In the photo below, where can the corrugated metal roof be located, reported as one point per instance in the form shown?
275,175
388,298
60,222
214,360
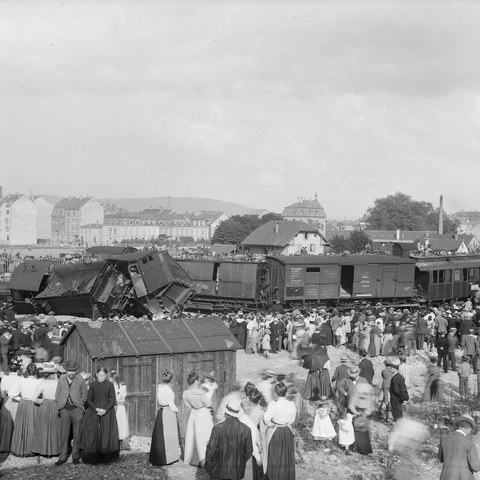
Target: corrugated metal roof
137,338
268,234
340,259
29,275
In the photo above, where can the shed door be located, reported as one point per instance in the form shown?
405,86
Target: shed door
389,280
140,374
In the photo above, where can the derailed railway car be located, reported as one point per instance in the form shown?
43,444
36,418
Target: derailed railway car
444,278
317,279
228,283
139,283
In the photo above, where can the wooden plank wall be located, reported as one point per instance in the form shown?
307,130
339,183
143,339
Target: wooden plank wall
142,375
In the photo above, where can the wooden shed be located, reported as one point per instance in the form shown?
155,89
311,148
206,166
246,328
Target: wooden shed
141,350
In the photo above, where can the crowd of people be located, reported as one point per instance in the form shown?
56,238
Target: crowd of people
249,432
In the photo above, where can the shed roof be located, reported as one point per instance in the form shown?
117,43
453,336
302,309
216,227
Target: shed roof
137,338
340,259
446,244
29,275
268,234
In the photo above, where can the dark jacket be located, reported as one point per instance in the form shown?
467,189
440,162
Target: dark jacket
442,345
229,448
459,457
340,372
77,392
366,370
422,326
398,389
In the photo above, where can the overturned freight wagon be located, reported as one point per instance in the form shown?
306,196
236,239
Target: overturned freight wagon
304,279
138,283
141,350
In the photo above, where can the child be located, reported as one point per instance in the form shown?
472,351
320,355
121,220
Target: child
346,435
266,343
322,425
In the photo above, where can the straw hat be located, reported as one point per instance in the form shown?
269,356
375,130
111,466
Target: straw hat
465,418
233,408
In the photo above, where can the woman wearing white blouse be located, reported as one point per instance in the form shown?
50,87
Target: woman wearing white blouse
165,446
279,452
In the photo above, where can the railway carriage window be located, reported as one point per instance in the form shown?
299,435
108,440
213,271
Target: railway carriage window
471,273
449,276
478,273
457,275
441,276
435,276
465,272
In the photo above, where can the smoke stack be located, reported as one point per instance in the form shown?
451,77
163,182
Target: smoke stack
440,216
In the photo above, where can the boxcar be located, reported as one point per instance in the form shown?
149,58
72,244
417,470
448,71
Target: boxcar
447,278
229,282
323,278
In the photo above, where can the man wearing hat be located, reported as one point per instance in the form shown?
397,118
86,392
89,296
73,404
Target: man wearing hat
346,386
341,371
70,396
230,446
470,348
398,390
452,344
458,452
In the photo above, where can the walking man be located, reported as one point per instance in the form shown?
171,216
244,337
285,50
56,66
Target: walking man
398,391
452,343
229,447
458,452
70,396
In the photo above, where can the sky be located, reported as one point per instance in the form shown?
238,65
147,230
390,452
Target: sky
254,102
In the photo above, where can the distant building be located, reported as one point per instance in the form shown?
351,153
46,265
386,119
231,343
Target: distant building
285,237
307,211
44,218
91,234
70,213
18,220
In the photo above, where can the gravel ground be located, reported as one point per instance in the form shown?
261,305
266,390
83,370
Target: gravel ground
312,463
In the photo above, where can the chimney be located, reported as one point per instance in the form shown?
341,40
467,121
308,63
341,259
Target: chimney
440,216
276,227
397,235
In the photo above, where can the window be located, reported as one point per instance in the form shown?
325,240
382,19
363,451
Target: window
435,276
449,276
471,273
465,274
478,273
312,247
441,276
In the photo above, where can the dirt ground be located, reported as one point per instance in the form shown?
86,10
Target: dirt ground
312,463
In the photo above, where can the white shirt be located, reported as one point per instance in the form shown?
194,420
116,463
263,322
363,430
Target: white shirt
165,396
11,384
280,412
29,388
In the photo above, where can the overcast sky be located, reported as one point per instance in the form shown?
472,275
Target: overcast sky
255,102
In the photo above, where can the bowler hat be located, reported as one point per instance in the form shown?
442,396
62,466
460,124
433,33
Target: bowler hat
465,418
71,366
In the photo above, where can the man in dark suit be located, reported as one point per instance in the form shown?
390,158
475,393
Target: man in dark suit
442,349
230,446
458,452
366,367
452,344
422,329
398,391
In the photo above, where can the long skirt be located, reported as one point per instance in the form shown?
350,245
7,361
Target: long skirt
280,454
122,422
22,439
7,415
387,348
317,385
165,446
362,442
374,346
99,437
197,435
47,430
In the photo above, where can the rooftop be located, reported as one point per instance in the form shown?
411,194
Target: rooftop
72,203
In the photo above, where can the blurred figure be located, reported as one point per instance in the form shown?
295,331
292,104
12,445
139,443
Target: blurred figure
433,387
405,441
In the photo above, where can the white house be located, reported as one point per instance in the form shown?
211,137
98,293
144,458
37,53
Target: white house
18,220
44,218
285,237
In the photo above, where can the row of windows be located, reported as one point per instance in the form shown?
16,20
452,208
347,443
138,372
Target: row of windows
458,275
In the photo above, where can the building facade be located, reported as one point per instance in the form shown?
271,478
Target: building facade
44,218
18,220
70,214
307,211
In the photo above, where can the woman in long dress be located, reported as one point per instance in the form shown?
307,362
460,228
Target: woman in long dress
10,388
47,428
99,430
364,338
165,446
23,432
279,451
200,423
318,382
375,341
120,409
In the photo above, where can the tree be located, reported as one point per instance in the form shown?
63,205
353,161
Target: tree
399,211
233,230
356,242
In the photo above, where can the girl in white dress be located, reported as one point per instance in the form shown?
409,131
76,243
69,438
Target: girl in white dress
322,425
346,435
